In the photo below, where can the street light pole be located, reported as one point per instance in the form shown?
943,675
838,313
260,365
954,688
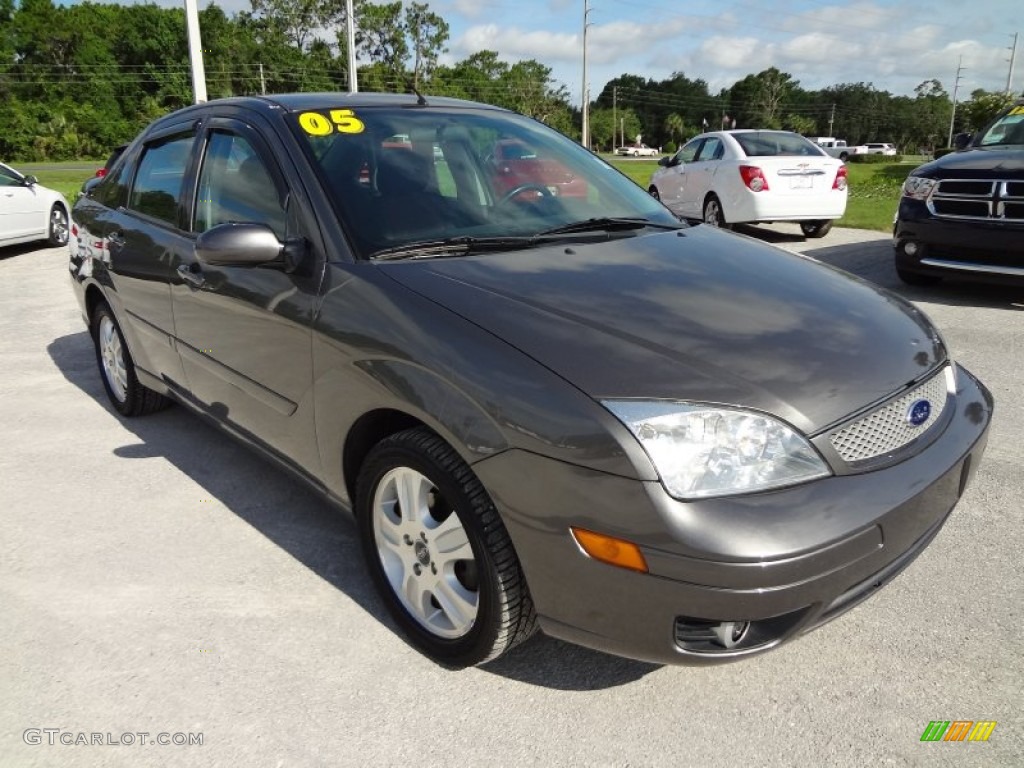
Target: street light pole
956,90
584,92
350,32
195,51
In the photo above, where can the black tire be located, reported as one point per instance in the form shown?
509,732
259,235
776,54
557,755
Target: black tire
916,278
843,156
713,213
58,233
654,193
129,397
504,610
818,228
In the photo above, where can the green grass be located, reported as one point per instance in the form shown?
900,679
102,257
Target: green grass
874,189
66,182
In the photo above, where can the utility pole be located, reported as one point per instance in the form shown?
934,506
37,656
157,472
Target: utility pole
350,34
585,94
831,119
615,94
1013,55
263,83
195,51
622,126
956,90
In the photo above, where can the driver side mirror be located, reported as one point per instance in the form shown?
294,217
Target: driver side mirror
667,162
962,140
238,245
31,181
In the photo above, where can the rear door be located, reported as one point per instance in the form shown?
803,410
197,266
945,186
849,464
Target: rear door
245,333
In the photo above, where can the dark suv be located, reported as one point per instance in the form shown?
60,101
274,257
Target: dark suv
963,214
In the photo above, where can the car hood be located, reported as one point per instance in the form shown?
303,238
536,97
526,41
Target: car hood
696,315
974,162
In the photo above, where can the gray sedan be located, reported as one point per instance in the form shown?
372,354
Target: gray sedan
576,414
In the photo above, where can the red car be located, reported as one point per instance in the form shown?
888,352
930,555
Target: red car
515,165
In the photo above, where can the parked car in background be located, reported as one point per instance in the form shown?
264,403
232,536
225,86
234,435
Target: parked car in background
30,211
101,172
572,413
963,214
514,165
638,150
750,176
838,148
878,148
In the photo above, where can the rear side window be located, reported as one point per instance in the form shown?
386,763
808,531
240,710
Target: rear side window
112,191
157,187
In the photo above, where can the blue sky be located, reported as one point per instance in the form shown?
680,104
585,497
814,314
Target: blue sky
894,44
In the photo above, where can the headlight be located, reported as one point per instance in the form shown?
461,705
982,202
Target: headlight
918,187
704,450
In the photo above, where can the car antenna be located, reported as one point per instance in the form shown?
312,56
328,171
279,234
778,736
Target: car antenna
420,101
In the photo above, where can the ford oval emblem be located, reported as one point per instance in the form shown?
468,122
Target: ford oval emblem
918,413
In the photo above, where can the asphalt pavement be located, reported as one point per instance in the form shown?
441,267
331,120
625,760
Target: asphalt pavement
156,578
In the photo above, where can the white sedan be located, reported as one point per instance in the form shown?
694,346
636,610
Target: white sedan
638,150
729,177
30,212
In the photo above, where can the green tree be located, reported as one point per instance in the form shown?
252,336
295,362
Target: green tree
428,36
982,108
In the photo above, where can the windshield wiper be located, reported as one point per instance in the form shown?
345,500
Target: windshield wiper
451,246
609,224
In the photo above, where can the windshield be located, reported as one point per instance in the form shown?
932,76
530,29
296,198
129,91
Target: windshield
458,173
1007,130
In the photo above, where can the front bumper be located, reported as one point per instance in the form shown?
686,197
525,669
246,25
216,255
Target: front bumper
990,251
785,561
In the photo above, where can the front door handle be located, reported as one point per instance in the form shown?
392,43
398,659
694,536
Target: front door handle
194,279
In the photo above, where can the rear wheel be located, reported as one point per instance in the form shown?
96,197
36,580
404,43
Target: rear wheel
439,553
127,395
58,234
713,213
818,228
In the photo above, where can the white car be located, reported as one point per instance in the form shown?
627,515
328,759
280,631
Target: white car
638,150
879,148
729,177
30,212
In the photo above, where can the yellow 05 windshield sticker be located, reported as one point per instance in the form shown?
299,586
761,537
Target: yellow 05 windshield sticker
1017,110
340,120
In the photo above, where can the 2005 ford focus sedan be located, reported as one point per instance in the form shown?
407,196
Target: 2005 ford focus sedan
572,413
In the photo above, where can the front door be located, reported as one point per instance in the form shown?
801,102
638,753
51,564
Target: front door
244,333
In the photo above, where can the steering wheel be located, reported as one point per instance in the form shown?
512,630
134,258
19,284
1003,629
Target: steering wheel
544,192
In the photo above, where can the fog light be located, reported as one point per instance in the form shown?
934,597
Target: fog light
910,248
701,634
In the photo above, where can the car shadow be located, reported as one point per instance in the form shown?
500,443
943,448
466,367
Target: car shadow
306,526
10,251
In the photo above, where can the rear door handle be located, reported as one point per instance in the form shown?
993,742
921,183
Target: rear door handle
194,279
116,239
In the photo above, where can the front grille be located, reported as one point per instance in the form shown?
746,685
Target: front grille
887,428
978,199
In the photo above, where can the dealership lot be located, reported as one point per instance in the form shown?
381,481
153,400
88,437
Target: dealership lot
156,577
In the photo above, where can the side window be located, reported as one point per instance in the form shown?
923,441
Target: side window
236,186
157,185
712,149
689,151
112,191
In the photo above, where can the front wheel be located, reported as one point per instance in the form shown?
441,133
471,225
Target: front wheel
818,228
127,395
654,193
439,553
58,233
